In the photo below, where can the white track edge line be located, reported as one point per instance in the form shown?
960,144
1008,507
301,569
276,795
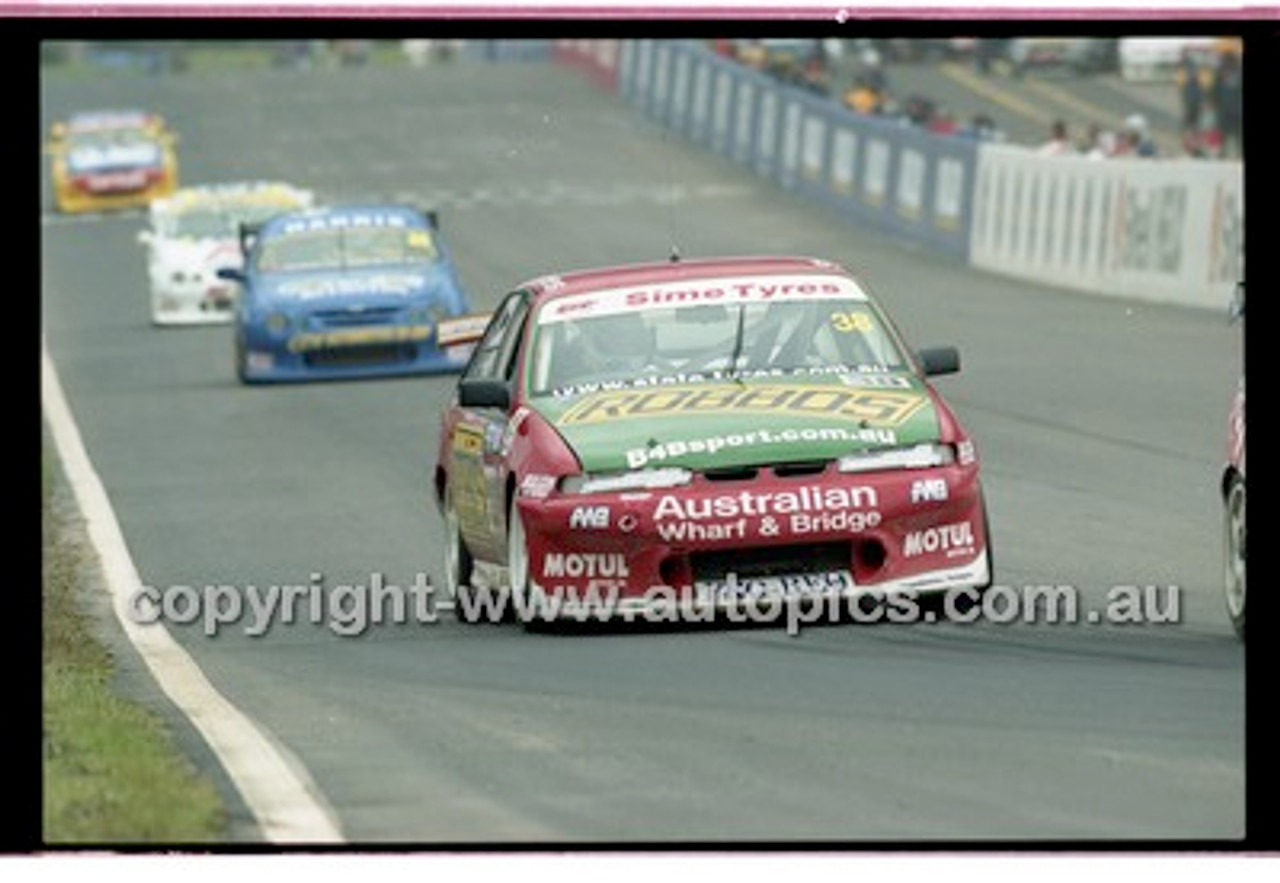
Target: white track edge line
286,805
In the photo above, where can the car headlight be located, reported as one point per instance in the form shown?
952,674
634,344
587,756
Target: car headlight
921,456
641,479
276,323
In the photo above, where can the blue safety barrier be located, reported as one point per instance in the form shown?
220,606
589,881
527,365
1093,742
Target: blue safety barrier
898,177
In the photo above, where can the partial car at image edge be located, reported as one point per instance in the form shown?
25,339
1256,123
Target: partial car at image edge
1233,498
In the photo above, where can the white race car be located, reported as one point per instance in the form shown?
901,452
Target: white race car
196,232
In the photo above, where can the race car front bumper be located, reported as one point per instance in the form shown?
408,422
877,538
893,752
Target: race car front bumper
794,537
74,197
372,351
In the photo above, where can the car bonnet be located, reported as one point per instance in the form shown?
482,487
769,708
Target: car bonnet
741,422
325,287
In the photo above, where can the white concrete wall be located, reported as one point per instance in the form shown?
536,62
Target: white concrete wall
1167,230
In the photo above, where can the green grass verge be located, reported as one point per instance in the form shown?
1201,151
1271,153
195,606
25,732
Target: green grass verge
112,773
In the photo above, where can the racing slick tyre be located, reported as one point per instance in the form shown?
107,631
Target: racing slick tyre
521,600
1234,543
459,566
517,558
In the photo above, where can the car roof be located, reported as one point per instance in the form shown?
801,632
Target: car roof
663,272
196,195
94,120
327,214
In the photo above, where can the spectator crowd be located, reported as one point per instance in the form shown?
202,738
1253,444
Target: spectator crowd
1209,88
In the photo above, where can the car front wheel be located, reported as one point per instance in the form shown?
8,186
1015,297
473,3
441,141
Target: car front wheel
521,601
1234,542
517,555
458,564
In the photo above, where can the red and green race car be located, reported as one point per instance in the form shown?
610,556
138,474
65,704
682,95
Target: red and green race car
705,435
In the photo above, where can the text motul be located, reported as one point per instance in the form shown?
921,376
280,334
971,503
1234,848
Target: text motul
585,564
942,538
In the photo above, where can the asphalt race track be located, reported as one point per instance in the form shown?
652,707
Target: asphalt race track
1101,424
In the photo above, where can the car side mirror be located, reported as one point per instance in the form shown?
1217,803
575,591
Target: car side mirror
248,235
484,393
462,330
939,360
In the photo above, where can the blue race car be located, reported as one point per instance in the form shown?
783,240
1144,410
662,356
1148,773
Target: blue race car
348,291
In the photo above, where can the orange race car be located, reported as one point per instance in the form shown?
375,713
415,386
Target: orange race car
112,159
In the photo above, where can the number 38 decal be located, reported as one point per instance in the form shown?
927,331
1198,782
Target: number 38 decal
849,323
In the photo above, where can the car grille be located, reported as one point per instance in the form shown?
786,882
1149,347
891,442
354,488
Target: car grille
346,317
114,182
356,356
771,560
779,470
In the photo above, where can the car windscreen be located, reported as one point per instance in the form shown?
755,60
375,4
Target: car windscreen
346,248
786,338
217,221
111,147
122,137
